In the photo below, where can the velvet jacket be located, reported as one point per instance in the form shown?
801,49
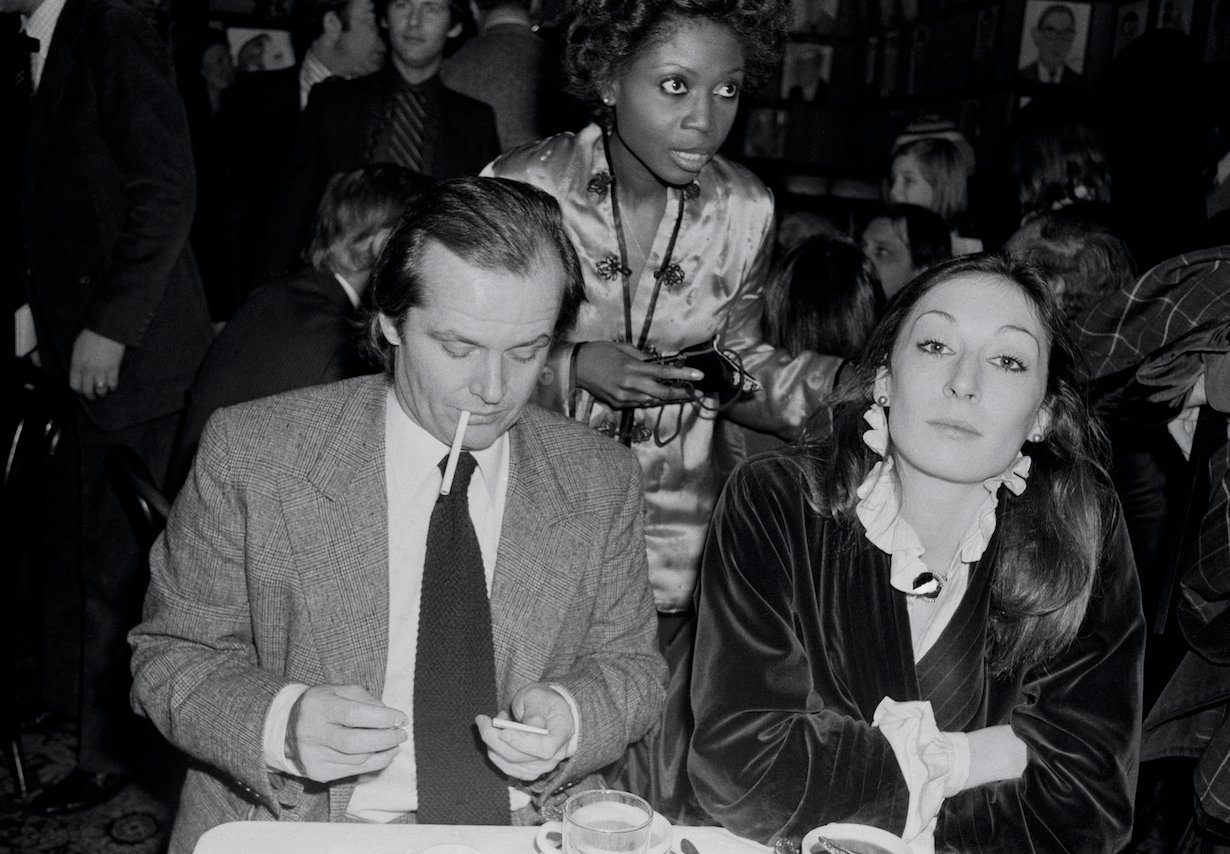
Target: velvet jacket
800,636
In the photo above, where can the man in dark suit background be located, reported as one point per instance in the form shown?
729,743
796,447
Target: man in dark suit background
333,622
261,111
1053,37
403,114
302,330
105,206
506,66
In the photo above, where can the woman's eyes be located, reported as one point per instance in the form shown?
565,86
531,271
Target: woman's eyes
1009,363
677,86
1003,361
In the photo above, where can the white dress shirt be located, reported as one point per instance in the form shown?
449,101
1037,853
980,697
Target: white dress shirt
311,72
42,26
412,483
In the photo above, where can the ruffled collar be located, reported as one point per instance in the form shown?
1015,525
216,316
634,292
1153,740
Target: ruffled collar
879,509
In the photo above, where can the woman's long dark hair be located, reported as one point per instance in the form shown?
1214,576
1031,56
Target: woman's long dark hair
1050,537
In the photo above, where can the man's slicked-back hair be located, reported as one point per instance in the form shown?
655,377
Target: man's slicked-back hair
493,223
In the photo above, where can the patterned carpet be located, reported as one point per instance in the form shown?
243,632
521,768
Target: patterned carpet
136,821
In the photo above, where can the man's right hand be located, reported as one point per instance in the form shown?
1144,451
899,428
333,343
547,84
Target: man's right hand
337,731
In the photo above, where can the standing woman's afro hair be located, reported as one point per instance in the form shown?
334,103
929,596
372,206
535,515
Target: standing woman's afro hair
605,35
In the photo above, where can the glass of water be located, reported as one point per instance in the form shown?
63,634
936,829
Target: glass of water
606,821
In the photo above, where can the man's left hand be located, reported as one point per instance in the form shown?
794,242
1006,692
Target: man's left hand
95,369
526,755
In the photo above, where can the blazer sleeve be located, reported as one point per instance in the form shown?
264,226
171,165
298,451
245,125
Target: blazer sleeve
1080,720
779,745
196,673
618,678
146,133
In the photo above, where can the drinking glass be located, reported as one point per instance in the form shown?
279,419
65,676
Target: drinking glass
606,821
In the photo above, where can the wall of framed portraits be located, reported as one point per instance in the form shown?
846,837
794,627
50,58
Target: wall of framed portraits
855,72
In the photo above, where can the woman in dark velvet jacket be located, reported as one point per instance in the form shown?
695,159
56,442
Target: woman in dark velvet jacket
929,621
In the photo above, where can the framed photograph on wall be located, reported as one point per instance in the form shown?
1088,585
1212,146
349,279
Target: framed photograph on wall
871,64
1217,41
986,31
1133,20
813,17
260,49
920,54
890,64
888,13
807,69
765,134
1053,41
1175,15
984,62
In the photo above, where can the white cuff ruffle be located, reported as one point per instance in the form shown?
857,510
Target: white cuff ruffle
935,764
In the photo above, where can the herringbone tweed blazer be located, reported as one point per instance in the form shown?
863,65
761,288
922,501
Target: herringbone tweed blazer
274,569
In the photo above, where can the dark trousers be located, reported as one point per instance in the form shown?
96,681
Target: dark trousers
92,538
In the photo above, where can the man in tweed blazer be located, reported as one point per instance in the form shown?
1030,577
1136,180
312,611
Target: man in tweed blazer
277,578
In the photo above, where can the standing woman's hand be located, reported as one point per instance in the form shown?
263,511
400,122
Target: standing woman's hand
619,376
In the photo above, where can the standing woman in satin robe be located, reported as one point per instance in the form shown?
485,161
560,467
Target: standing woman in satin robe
930,620
674,243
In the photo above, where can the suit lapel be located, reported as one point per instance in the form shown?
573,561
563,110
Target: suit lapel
52,84
524,623
338,525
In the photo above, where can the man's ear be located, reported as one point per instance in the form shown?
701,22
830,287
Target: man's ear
331,24
389,328
454,30
882,388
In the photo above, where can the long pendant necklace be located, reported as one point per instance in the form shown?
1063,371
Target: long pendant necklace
667,272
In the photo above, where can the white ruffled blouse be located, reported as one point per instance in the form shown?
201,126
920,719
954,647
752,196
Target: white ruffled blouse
879,509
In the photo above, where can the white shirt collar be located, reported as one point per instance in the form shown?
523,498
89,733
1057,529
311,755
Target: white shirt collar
424,451
1045,75
350,291
311,72
42,25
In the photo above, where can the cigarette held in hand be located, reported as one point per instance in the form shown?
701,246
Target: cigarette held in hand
505,723
451,467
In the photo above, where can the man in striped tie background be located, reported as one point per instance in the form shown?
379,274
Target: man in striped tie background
402,114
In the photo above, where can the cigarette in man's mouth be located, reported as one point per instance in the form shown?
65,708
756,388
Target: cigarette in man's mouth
451,467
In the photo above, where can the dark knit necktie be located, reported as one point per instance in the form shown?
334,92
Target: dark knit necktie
454,671
405,140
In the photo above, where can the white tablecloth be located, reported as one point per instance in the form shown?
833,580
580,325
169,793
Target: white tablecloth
266,837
